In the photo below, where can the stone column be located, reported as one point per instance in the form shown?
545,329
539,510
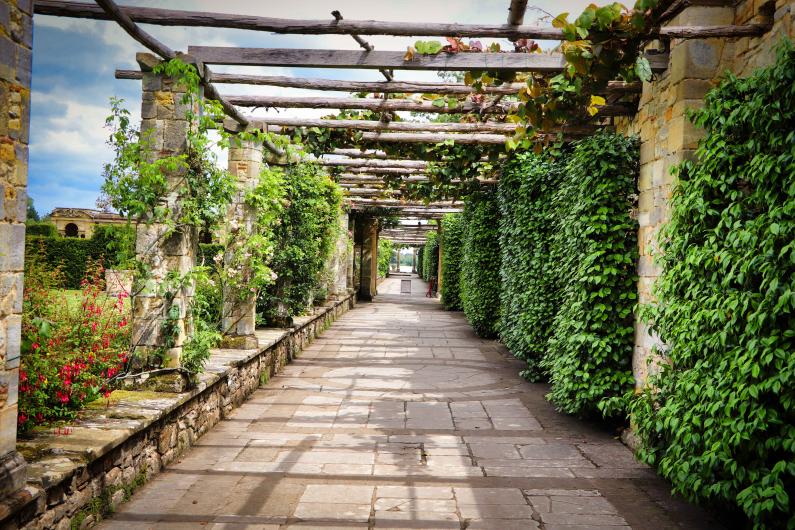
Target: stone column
369,260
414,260
240,308
337,264
163,251
668,138
15,64
350,270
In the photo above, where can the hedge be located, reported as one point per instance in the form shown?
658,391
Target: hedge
385,248
109,244
420,261
430,257
590,353
480,267
720,420
530,296
40,228
452,247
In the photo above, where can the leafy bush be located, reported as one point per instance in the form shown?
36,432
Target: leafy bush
590,354
430,257
41,228
718,419
530,296
118,242
385,248
303,240
420,260
72,346
452,244
480,268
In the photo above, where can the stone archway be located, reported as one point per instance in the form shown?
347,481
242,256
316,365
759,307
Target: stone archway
71,230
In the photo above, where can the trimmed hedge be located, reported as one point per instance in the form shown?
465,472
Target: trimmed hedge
430,257
480,267
452,245
590,353
530,296
719,419
385,248
73,255
420,260
40,228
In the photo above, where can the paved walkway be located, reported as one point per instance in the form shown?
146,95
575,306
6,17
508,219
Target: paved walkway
400,417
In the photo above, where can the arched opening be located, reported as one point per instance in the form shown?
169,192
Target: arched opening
70,230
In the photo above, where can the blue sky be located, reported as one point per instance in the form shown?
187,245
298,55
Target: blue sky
74,61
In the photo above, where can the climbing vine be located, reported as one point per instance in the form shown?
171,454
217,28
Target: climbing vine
430,257
452,243
717,419
530,295
590,353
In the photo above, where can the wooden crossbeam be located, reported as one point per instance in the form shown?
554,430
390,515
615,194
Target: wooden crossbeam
173,17
516,12
368,178
405,204
384,170
393,126
379,87
393,60
495,139
375,163
391,105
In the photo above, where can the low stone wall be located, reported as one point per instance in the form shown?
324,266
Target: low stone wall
76,475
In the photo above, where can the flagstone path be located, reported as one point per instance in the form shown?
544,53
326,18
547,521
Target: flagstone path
400,417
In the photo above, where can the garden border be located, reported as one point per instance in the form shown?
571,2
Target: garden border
76,478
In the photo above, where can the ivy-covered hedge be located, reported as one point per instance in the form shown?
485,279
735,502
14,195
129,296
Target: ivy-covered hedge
304,239
420,261
590,353
480,267
41,228
385,248
719,419
452,247
430,257
110,244
530,296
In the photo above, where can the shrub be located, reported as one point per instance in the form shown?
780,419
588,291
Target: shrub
72,347
590,355
385,248
420,260
118,242
452,245
303,240
430,257
480,269
41,228
717,420
530,296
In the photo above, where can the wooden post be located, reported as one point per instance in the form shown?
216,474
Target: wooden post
240,308
15,65
162,249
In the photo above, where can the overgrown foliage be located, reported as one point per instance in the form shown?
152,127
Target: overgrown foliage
430,257
480,267
717,420
530,294
385,248
590,354
452,243
303,239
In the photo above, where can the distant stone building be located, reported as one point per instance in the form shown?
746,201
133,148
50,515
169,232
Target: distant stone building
80,222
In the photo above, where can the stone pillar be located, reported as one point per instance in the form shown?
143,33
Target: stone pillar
240,308
369,261
15,64
160,321
337,264
414,260
668,138
350,257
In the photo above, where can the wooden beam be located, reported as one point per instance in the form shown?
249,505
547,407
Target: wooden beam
516,12
173,17
492,139
360,153
384,170
394,126
392,105
374,163
377,87
393,60
406,204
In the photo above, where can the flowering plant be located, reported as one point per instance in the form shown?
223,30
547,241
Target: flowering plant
73,344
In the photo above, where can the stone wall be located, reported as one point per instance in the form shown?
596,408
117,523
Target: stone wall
110,452
668,137
16,33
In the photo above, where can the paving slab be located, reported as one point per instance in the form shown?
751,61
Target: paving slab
399,416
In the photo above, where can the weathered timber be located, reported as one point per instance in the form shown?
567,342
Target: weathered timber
384,170
359,153
173,17
115,13
516,12
406,204
434,138
391,105
312,58
374,163
395,126
381,87
363,43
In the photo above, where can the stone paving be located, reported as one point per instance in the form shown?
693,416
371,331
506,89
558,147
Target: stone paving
400,417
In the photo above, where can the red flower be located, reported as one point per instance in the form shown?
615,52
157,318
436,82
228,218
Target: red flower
35,345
